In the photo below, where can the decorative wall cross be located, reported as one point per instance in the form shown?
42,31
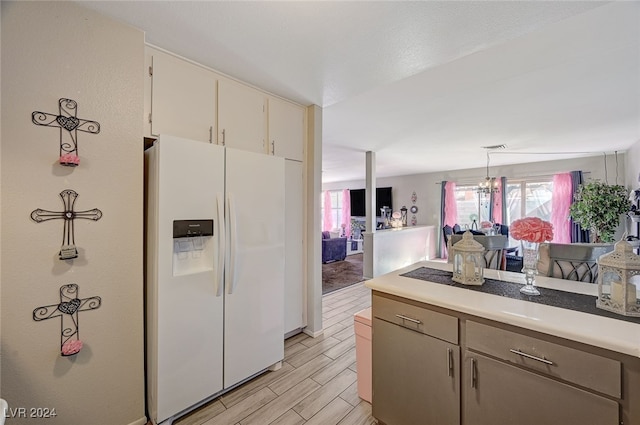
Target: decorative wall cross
68,308
68,249
70,124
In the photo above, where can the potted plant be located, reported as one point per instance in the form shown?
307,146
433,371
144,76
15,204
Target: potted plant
598,207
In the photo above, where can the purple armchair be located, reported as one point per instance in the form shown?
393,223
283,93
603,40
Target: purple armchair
333,249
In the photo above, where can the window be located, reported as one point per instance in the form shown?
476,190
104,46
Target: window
524,198
529,198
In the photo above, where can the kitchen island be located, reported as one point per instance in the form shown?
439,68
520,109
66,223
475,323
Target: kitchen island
450,355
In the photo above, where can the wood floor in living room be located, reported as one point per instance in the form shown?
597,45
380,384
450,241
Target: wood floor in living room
317,381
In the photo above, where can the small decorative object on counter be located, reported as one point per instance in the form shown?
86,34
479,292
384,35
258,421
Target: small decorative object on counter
619,280
468,261
531,232
403,212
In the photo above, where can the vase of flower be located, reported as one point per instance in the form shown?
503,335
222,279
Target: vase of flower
531,232
530,267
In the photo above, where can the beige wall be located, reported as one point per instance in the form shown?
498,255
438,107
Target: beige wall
52,50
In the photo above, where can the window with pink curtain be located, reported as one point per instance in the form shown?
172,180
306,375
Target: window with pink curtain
327,217
561,200
346,212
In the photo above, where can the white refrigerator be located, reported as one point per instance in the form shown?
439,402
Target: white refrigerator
215,271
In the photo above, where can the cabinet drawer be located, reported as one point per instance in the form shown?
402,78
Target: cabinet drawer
588,370
419,319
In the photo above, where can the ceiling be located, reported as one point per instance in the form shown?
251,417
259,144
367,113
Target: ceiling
427,84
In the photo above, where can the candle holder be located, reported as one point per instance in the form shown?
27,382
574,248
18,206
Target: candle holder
619,280
468,261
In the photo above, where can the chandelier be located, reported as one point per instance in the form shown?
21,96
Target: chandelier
489,185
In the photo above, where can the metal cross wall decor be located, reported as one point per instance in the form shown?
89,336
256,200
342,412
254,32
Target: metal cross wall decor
68,308
68,121
68,249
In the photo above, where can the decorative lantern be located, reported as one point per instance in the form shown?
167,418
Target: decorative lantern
385,213
468,261
403,212
619,280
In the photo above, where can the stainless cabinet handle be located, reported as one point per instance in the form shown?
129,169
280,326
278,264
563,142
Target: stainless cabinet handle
529,356
474,374
416,321
450,361
273,147
224,136
210,134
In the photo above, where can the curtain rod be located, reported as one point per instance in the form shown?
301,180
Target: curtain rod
514,178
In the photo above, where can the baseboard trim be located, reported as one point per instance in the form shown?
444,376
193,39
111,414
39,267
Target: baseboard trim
141,421
313,334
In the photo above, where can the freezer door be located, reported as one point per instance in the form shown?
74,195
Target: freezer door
188,305
254,274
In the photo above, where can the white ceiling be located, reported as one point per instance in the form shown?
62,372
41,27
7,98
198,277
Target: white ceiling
424,84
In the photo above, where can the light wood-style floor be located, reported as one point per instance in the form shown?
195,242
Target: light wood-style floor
317,381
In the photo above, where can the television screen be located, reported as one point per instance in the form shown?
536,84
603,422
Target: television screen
358,200
357,203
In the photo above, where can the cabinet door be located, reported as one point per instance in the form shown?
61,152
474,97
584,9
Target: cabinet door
294,295
415,377
497,393
183,99
286,129
241,117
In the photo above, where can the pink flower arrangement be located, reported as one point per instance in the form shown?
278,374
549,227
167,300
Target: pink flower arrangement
531,229
71,347
70,159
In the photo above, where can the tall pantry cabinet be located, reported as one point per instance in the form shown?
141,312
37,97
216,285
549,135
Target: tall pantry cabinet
190,101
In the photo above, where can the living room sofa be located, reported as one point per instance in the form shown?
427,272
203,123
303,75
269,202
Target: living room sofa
333,249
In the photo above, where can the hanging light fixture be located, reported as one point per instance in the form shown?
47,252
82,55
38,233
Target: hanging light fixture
489,185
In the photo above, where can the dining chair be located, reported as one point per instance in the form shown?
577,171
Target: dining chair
494,249
576,261
447,231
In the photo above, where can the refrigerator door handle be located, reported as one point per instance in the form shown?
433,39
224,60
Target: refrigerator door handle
233,243
221,244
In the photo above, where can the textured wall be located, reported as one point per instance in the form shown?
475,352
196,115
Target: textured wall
53,50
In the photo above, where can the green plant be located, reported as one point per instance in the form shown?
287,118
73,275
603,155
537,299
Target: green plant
598,207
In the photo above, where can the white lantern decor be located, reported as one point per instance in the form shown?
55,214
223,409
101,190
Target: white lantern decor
619,280
468,261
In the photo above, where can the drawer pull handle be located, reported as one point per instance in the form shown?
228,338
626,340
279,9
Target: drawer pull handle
416,321
529,356
450,361
474,374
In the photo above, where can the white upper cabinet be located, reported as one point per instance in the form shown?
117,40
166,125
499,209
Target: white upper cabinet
241,117
286,129
183,98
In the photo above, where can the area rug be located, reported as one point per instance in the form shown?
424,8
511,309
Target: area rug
340,274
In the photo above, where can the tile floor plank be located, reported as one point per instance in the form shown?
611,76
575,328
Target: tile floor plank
276,408
294,377
323,396
244,408
332,413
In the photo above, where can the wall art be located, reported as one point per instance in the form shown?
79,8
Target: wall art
68,249
68,310
69,124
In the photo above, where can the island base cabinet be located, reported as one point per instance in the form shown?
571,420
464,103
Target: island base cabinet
497,393
416,379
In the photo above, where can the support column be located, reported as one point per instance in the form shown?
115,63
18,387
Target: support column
313,187
370,205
